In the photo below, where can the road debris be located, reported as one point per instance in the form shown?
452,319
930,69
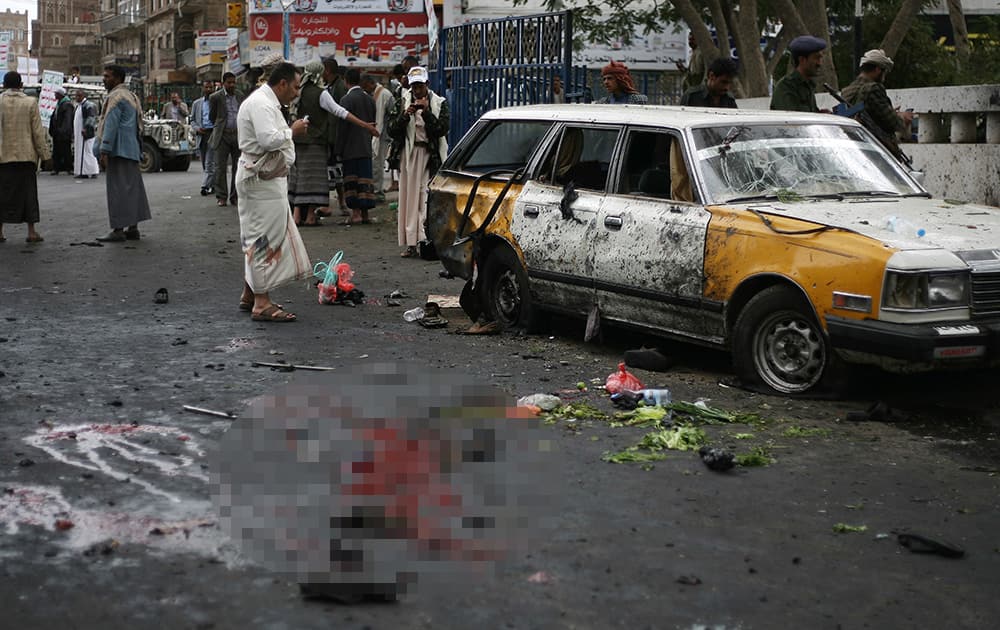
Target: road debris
844,528
545,402
290,367
689,580
647,359
161,296
922,544
717,459
757,457
540,577
622,380
209,412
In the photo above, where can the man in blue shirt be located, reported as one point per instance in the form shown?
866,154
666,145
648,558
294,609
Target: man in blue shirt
202,123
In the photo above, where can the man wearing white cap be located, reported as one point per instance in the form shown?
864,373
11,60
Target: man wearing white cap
418,125
869,89
61,130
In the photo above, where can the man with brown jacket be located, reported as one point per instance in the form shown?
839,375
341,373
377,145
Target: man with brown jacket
22,145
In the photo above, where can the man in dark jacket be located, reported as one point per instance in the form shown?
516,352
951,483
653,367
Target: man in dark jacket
714,92
224,106
61,130
354,146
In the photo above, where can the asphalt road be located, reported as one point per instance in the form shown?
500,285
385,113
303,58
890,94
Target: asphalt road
106,519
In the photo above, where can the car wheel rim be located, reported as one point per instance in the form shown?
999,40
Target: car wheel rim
508,297
789,353
144,161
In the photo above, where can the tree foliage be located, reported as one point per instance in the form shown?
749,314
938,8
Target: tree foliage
887,23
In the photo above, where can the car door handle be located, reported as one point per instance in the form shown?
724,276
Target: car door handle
615,223
531,211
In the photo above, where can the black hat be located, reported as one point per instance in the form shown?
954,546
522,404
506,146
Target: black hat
806,45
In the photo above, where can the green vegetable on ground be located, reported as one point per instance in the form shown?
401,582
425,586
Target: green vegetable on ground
844,528
756,457
639,417
632,454
793,431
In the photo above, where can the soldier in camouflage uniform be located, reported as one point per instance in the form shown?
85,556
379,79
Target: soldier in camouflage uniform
869,89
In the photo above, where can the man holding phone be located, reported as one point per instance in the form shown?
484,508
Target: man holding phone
418,125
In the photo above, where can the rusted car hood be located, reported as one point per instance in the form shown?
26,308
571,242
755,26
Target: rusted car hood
947,225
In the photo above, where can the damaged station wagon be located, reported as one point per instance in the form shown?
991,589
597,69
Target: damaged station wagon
794,240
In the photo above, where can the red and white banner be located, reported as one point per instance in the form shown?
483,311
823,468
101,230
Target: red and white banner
355,39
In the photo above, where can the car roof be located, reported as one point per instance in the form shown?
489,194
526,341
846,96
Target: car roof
655,115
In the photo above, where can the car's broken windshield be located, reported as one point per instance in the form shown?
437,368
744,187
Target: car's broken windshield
789,162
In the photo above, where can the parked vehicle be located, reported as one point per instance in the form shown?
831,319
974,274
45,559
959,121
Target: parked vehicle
166,144
794,240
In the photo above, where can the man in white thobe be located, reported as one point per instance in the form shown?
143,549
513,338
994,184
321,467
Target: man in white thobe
273,249
84,130
380,146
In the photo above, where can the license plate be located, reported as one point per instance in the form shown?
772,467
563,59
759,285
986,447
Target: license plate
959,352
184,145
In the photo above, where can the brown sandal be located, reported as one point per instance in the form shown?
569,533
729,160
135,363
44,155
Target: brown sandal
273,314
248,306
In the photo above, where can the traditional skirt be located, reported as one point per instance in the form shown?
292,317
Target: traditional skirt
273,249
359,193
307,179
19,199
127,202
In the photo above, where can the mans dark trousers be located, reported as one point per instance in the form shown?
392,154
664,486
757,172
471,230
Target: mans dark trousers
228,153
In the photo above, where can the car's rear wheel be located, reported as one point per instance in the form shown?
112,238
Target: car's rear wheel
149,160
778,343
506,298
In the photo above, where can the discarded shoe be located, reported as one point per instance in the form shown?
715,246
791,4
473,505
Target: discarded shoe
161,297
921,544
432,316
716,459
648,359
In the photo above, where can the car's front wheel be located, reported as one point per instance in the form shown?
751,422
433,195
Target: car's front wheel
150,161
778,343
506,298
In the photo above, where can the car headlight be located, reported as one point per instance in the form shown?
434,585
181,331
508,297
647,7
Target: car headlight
925,290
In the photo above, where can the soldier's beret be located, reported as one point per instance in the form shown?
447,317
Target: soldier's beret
806,45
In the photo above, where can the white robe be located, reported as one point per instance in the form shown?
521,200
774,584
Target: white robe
84,161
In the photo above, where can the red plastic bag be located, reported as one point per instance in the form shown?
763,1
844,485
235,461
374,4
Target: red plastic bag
622,380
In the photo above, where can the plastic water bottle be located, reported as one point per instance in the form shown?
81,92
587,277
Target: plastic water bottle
414,314
904,227
659,397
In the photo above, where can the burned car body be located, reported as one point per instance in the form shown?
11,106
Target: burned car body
794,240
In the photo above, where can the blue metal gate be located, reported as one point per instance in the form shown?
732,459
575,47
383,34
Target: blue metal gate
500,63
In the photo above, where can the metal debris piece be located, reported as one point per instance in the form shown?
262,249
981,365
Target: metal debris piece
289,366
209,412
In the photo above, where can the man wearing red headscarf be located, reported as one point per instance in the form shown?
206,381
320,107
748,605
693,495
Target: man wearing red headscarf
618,82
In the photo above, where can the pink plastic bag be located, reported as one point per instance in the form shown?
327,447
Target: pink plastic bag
622,380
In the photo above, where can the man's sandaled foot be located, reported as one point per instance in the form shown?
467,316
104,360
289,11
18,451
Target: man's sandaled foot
273,314
247,305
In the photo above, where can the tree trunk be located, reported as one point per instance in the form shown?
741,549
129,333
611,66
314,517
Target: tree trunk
721,26
899,27
746,33
692,17
777,48
960,32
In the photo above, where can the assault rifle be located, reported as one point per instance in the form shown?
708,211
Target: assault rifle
888,140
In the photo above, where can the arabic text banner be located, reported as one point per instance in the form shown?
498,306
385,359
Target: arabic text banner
379,39
338,6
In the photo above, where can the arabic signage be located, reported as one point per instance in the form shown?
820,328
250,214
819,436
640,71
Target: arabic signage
355,39
338,6
211,47
47,101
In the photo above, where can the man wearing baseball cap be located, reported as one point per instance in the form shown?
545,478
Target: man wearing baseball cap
418,125
869,89
796,92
